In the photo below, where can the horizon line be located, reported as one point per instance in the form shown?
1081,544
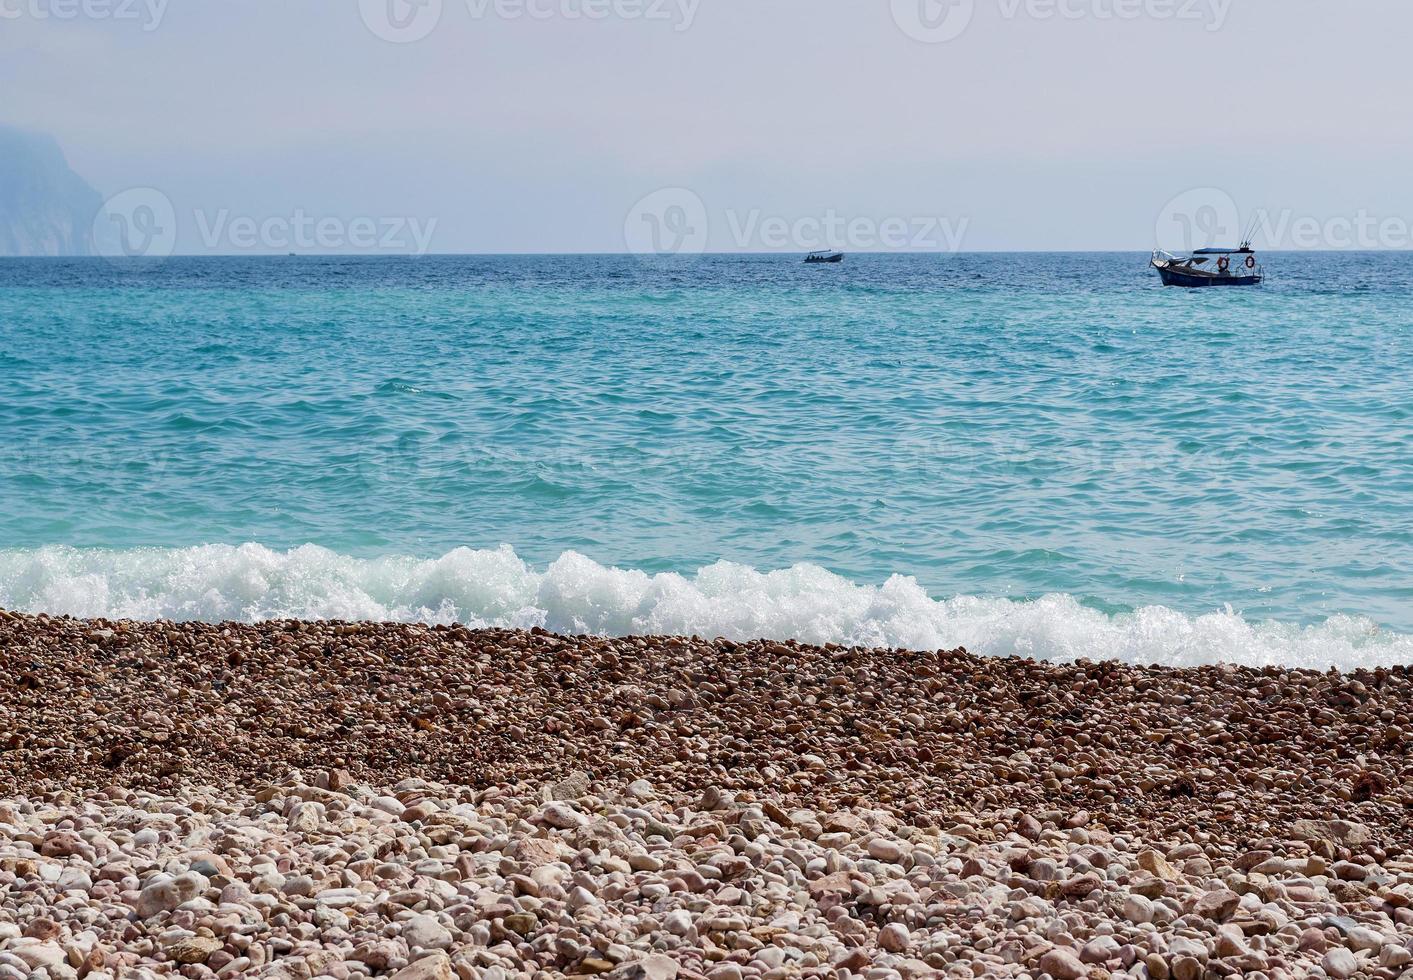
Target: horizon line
944,253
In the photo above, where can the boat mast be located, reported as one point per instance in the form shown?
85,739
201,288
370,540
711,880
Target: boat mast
1250,231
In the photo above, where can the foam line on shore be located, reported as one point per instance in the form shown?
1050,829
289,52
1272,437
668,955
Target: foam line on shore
575,594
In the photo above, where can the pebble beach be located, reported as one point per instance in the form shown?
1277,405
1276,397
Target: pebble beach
325,799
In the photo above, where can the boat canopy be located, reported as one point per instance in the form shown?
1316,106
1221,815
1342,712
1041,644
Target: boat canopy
1223,251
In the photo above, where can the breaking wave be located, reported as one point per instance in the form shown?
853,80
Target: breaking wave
577,595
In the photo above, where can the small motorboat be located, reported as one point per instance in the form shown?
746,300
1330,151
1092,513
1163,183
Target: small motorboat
825,256
1210,267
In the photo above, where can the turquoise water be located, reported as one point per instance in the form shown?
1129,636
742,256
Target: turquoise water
1029,453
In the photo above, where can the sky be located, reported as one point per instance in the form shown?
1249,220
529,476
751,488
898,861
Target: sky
728,125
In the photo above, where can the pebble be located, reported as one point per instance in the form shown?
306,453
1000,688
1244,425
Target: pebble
435,967
1164,754
562,816
894,937
889,851
230,801
490,881
424,932
1062,964
1340,963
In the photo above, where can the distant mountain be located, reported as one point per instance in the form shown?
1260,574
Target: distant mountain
45,208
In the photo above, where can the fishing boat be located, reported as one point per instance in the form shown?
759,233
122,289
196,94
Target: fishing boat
825,256
1210,267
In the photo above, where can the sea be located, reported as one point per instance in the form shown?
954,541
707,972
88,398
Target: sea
1038,455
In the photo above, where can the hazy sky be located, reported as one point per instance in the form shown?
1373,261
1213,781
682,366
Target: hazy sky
541,125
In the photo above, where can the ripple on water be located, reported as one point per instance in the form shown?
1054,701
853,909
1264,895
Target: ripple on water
1007,427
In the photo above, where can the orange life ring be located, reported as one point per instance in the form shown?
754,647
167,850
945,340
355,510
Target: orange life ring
1251,262
1224,263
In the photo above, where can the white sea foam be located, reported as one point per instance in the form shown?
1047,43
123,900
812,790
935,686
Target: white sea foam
577,595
